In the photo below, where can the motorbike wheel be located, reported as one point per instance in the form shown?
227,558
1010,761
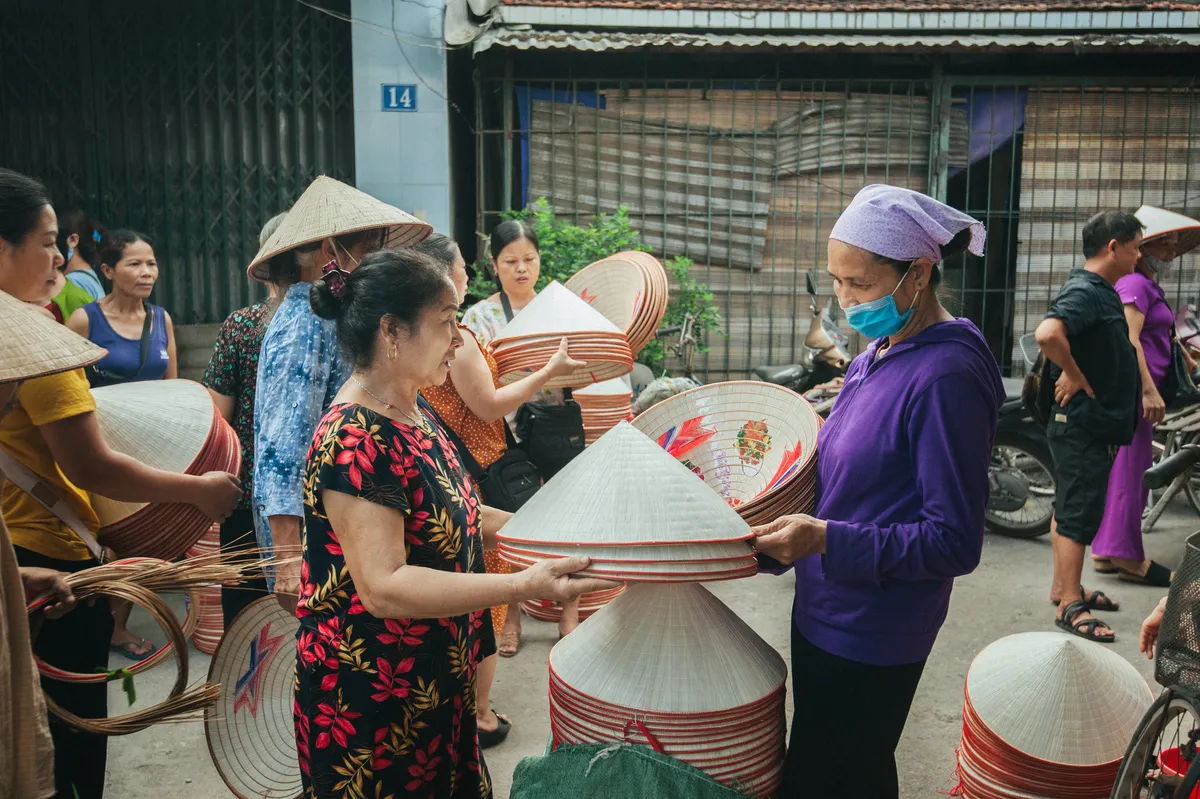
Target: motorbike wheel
1027,460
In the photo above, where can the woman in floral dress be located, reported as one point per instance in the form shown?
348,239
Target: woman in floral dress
394,600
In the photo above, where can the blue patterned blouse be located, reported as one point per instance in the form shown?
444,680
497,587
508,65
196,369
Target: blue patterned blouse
300,370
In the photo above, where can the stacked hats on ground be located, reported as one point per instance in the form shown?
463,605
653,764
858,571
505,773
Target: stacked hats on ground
753,443
630,289
250,730
210,624
171,425
531,339
664,664
1047,715
603,406
545,610
644,671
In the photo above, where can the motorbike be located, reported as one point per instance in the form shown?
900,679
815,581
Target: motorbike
825,348
1021,475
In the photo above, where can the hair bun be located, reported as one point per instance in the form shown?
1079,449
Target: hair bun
324,302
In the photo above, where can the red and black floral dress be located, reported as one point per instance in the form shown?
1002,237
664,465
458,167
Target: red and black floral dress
386,707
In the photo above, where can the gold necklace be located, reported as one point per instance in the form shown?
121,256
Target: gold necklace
416,418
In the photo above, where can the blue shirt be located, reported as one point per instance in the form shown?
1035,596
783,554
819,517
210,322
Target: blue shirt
300,370
86,279
123,363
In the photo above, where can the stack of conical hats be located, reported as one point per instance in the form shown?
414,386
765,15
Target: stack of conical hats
753,443
210,624
1047,715
630,289
673,668
638,514
529,341
171,425
603,406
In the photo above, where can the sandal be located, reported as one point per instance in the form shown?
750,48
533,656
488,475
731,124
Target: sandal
1104,566
1084,628
127,649
508,643
1156,575
490,738
1097,601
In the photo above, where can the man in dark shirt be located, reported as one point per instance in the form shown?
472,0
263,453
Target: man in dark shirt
1097,384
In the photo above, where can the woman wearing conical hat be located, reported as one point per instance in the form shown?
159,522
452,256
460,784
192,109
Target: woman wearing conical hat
327,231
55,456
1118,545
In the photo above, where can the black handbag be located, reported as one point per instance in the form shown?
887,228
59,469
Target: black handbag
1179,390
508,483
552,435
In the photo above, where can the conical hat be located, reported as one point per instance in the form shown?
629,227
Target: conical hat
329,208
36,345
249,730
1057,697
624,489
668,648
556,310
1159,222
618,386
164,424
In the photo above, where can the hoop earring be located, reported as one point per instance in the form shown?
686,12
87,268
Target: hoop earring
392,352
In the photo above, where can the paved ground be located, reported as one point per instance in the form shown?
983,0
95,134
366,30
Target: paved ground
1007,594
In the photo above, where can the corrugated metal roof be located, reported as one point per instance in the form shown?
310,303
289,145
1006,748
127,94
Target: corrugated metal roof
873,5
598,41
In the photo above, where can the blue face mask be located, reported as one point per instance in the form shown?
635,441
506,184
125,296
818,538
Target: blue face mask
70,254
881,317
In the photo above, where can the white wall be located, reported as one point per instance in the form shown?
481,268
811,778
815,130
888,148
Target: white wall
402,158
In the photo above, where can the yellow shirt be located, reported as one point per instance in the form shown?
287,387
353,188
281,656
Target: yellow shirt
39,402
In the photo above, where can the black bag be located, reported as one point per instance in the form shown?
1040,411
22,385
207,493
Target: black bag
552,435
1037,392
509,482
1179,390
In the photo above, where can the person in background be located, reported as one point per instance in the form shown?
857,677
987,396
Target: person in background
902,489
382,476
331,226
1118,544
51,435
516,265
231,378
79,236
117,322
27,753
1094,369
472,404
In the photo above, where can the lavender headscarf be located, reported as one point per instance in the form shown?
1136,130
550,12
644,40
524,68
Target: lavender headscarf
903,224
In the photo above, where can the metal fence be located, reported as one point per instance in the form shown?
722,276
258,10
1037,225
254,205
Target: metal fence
192,122
748,178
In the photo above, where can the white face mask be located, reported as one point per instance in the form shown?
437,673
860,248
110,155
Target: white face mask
1159,267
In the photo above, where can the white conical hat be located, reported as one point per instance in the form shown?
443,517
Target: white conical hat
624,489
618,386
668,648
35,345
330,208
1159,222
554,311
1058,697
164,424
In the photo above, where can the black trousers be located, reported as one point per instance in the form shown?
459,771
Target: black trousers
237,535
847,723
77,642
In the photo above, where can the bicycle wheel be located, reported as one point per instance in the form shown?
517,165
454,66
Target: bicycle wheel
1172,721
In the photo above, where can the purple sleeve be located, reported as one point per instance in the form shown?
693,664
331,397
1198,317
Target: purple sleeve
951,428
1135,290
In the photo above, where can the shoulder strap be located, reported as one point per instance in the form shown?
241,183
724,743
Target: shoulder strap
48,498
464,454
508,311
144,344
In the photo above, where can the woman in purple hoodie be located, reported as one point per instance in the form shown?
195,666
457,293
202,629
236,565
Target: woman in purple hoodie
902,484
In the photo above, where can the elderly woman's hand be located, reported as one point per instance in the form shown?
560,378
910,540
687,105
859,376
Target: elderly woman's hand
39,582
551,579
1150,629
789,538
561,363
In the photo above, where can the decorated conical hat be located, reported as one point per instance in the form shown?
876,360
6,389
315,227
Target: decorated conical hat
164,424
624,489
330,208
668,648
556,310
1057,697
250,733
35,345
1159,222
